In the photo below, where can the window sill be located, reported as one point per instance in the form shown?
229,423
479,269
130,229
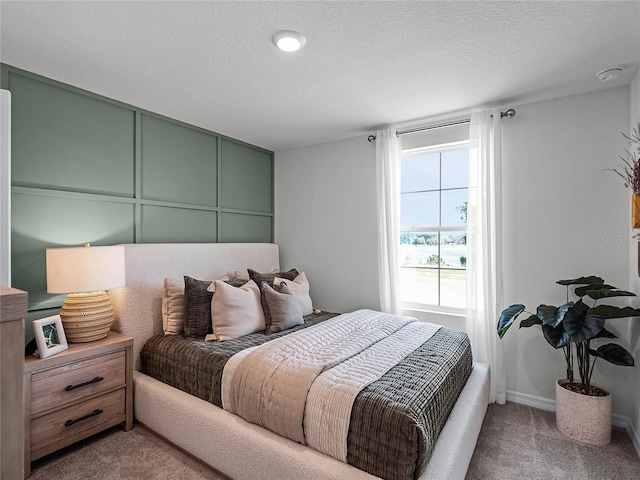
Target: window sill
433,314
419,307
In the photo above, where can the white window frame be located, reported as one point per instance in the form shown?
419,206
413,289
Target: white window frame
440,148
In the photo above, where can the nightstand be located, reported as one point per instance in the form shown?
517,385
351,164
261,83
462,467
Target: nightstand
77,393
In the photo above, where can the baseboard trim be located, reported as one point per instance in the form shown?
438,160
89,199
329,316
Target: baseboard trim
633,433
531,401
621,421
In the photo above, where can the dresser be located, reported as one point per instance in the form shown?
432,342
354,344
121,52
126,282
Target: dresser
77,393
13,311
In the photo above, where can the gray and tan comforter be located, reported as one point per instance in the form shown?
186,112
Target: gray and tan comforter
376,390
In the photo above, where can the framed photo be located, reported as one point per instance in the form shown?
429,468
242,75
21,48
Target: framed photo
49,335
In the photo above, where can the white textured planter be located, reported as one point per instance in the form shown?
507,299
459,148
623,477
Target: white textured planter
582,417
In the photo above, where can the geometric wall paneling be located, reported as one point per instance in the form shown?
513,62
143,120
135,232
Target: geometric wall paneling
247,177
86,168
179,163
67,141
41,221
239,227
177,225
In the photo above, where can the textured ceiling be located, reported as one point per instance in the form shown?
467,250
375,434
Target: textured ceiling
365,65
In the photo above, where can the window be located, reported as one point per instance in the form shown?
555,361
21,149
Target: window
433,239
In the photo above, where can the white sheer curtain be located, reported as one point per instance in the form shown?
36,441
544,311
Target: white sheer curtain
388,190
484,244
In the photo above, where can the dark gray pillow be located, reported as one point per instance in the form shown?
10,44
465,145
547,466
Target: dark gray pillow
268,278
197,306
284,310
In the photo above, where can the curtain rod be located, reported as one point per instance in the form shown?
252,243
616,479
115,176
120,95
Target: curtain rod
509,114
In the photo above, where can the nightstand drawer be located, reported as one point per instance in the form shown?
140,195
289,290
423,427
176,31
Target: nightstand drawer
69,421
75,381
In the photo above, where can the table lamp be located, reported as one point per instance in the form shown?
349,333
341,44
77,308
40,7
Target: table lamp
84,273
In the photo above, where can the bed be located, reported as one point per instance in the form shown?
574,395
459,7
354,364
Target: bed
225,441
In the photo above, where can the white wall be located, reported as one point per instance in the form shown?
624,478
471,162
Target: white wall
564,217
326,221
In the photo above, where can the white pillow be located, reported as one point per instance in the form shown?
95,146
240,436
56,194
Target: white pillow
236,311
299,288
173,306
241,275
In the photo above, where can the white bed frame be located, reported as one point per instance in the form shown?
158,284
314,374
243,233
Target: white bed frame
224,441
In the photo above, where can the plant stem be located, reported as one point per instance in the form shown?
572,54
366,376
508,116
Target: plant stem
586,382
581,363
591,372
569,359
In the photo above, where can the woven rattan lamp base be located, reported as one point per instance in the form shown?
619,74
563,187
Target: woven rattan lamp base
86,316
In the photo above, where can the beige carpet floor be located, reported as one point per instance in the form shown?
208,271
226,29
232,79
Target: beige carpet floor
516,443
115,454
520,442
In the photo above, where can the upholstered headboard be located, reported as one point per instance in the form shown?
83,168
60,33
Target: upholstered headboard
138,305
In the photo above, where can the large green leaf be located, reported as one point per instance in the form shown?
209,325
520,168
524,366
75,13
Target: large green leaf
609,311
581,326
582,291
532,320
604,333
556,337
548,314
590,280
615,354
608,293
551,315
562,311
507,317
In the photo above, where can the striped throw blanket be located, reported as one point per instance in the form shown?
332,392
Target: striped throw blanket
303,386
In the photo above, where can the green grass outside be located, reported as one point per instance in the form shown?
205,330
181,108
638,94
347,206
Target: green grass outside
420,285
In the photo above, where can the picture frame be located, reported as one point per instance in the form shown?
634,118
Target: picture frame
49,336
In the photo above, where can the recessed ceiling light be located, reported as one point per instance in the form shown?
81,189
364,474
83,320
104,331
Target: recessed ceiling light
288,40
610,73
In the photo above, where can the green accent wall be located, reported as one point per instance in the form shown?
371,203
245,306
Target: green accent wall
86,168
178,163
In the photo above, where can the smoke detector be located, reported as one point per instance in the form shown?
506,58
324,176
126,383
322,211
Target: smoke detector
610,73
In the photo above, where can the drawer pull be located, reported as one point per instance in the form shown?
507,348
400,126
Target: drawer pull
73,387
68,423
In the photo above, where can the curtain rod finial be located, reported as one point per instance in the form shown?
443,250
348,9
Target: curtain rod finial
371,138
509,113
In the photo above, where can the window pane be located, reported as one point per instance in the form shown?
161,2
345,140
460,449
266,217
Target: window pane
419,209
453,249
453,285
420,172
454,207
419,285
435,194
419,249
455,169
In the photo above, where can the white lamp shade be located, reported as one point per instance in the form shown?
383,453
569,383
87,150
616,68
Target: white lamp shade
85,269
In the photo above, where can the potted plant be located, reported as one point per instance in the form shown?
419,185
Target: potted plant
583,409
